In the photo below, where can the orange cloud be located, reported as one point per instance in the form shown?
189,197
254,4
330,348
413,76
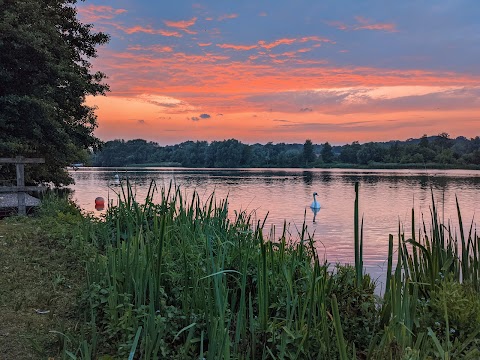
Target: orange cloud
276,43
364,24
182,24
227,16
204,44
152,48
147,30
195,76
315,38
237,47
94,13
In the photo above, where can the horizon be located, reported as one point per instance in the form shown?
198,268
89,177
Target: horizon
286,72
297,143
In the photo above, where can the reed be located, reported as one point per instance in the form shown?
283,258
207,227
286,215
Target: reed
178,278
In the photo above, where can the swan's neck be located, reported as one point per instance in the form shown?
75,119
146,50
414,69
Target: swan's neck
314,197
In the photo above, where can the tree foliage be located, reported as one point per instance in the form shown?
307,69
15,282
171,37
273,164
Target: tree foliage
308,153
45,77
434,151
327,153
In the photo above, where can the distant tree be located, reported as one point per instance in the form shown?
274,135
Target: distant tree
370,152
348,153
308,154
327,153
424,141
45,76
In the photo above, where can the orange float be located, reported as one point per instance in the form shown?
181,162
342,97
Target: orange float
99,203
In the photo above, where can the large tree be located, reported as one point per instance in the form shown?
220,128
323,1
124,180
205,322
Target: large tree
308,152
45,76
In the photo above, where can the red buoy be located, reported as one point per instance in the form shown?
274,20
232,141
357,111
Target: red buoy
99,203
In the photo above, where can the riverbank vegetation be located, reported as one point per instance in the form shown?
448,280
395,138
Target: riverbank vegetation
179,278
432,152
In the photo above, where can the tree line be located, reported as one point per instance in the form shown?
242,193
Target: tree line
439,150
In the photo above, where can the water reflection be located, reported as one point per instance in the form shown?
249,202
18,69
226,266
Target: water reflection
308,177
315,212
386,199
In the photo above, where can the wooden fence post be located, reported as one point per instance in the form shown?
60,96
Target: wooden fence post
22,208
20,189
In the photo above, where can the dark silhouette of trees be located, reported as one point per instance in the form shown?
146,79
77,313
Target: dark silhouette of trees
327,153
308,153
431,151
45,77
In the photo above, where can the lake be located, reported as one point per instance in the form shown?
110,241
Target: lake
386,200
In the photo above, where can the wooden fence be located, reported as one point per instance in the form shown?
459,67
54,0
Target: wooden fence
21,189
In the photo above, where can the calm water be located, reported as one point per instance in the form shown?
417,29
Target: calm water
386,198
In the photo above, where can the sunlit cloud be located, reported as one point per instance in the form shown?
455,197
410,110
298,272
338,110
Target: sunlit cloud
276,43
182,25
167,103
147,30
237,47
281,83
315,38
151,48
367,99
227,16
364,24
94,13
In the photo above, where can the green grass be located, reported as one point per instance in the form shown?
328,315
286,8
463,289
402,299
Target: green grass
41,277
180,279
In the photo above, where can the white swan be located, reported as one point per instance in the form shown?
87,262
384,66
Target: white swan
315,203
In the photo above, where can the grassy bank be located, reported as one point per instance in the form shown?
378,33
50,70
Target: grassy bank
339,165
41,279
178,279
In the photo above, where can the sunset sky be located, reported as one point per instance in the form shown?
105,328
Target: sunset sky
285,71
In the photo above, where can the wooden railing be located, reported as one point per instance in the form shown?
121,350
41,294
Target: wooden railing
21,189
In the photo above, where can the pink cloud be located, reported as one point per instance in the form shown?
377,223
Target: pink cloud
263,13
227,16
237,47
169,33
276,43
364,24
147,30
153,48
182,24
316,38
93,13
204,44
